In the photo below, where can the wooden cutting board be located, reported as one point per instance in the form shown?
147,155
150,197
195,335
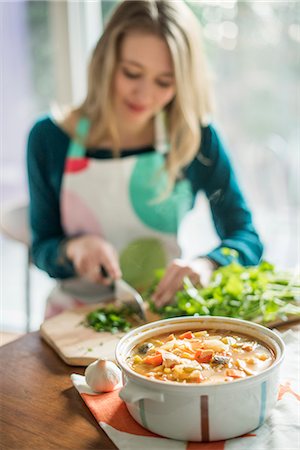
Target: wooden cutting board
77,344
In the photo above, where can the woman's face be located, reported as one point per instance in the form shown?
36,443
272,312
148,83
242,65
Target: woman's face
144,80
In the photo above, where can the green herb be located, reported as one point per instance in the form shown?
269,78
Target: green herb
110,319
258,293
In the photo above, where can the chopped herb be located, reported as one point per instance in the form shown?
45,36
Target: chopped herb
110,319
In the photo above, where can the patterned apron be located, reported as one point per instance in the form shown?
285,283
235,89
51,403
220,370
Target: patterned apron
119,200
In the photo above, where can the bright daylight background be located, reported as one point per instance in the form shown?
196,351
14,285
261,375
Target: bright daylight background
253,48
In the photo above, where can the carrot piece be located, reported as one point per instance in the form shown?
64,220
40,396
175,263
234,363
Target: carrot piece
155,360
247,347
234,373
186,335
204,356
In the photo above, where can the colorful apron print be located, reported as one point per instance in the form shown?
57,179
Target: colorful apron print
119,199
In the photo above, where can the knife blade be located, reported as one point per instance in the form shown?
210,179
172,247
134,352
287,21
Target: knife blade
125,294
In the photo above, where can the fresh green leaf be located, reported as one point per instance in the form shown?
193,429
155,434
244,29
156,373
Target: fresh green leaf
258,293
230,252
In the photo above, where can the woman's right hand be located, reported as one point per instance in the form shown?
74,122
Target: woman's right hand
89,253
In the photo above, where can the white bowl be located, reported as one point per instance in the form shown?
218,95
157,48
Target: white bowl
196,412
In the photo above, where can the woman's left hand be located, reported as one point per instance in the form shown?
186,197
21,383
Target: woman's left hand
199,271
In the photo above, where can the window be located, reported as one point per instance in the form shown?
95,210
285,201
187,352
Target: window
253,50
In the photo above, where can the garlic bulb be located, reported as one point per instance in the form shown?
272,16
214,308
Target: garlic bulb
103,376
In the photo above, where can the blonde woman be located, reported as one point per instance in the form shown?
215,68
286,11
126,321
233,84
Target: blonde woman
111,181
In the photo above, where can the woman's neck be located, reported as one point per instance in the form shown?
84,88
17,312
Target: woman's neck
131,137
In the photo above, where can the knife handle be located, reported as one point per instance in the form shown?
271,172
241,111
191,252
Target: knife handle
104,272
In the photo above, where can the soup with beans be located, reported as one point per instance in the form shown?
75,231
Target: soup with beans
207,356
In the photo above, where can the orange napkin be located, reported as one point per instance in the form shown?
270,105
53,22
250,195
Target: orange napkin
280,431
113,417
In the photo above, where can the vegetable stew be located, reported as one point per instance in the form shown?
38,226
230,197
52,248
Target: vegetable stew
206,356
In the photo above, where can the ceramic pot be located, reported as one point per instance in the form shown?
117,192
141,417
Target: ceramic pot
196,412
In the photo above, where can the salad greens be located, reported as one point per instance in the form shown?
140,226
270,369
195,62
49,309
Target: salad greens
258,293
110,319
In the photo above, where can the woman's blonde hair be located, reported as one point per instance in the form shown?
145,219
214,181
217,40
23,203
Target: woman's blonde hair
191,106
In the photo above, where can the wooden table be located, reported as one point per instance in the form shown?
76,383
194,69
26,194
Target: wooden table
40,409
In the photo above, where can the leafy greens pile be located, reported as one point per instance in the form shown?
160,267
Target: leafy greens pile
258,293
110,319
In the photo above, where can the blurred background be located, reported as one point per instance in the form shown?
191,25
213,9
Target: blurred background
253,49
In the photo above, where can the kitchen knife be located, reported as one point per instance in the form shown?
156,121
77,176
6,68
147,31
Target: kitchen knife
126,294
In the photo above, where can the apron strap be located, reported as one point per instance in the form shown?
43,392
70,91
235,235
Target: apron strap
77,147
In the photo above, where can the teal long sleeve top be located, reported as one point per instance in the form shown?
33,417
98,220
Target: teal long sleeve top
210,171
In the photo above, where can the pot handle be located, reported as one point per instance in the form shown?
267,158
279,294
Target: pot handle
132,393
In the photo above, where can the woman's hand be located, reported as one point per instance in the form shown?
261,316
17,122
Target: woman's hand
199,271
89,253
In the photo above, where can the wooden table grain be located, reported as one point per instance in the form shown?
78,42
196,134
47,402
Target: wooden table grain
40,408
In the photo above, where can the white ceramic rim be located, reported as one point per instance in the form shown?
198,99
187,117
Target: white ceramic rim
265,335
